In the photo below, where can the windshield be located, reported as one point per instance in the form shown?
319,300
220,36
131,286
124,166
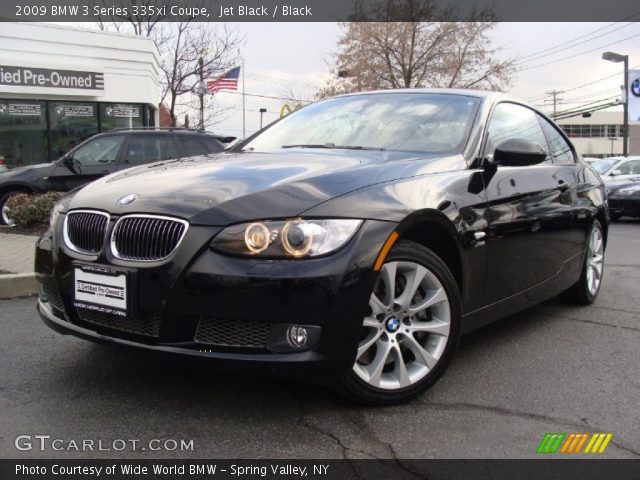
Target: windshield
416,122
601,166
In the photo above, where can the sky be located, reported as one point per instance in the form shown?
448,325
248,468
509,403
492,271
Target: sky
283,57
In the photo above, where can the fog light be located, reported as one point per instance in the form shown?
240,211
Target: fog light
297,336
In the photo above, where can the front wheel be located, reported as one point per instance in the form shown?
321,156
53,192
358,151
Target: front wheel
410,331
5,215
586,289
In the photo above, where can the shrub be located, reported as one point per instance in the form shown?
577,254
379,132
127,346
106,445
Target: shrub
32,211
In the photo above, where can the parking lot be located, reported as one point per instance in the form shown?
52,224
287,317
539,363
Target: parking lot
553,368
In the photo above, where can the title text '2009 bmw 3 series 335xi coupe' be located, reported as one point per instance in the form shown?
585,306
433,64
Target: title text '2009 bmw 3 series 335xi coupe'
354,240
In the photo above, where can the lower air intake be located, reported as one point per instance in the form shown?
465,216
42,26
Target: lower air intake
233,333
147,323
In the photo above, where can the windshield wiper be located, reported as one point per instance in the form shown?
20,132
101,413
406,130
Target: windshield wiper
333,146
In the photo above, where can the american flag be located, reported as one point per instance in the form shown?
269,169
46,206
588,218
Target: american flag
228,81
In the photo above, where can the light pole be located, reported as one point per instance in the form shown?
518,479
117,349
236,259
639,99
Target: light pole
612,139
262,112
617,58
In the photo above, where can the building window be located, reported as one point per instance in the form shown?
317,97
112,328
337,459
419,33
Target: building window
23,132
121,115
71,123
592,131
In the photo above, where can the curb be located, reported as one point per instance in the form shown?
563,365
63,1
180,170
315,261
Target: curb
18,285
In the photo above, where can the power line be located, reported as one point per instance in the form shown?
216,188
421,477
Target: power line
558,48
578,54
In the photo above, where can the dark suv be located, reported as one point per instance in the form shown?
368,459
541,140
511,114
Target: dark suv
103,154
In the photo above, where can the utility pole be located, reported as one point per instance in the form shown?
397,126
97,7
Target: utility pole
618,58
201,92
556,99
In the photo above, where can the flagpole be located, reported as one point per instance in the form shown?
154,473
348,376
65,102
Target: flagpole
244,134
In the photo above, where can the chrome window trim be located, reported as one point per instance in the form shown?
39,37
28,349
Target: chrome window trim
112,242
65,231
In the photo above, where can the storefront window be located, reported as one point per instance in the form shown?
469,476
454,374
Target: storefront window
23,132
71,123
121,115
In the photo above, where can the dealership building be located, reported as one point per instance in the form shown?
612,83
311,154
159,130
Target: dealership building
601,134
60,85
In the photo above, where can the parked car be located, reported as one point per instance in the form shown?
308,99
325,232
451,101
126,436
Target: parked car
103,154
617,168
624,198
591,160
353,241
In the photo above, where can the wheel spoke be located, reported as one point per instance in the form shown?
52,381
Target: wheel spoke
434,326
388,278
400,370
434,297
413,283
368,342
376,305
422,356
371,322
374,369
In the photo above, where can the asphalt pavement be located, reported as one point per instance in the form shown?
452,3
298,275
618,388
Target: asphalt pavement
553,368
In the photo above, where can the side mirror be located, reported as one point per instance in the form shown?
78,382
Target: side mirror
519,152
616,172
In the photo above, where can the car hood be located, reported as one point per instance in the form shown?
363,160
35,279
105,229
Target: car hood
234,187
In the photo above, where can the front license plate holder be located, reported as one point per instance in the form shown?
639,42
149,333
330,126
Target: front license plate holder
104,289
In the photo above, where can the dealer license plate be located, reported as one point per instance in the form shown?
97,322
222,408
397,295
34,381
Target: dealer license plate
101,288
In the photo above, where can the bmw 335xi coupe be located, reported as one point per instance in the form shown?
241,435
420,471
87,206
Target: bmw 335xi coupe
354,240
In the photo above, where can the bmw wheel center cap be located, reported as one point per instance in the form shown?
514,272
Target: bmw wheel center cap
392,324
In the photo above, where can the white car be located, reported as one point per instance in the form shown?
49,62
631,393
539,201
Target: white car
617,168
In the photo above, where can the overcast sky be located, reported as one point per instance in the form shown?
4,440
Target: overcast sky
284,56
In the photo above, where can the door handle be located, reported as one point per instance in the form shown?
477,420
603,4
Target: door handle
563,186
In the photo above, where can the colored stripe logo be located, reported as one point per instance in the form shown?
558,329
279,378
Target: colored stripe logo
574,443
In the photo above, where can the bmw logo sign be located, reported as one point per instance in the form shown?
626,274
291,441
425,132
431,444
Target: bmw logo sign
127,199
393,323
635,87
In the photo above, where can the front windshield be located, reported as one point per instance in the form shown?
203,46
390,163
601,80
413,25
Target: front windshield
601,166
416,122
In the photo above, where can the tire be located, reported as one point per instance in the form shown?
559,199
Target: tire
4,198
584,292
391,334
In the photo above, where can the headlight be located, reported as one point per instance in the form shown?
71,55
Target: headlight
628,190
286,238
58,208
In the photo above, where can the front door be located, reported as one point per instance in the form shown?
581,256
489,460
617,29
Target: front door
88,162
529,210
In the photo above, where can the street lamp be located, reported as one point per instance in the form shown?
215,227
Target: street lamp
262,112
617,58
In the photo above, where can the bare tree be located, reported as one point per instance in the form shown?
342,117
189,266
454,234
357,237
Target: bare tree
418,54
181,45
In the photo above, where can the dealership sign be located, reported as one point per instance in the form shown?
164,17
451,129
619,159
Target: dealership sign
45,77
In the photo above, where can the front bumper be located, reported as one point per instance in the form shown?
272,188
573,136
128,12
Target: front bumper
329,295
619,205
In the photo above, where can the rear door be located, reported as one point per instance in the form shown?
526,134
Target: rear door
88,162
529,211
190,145
147,148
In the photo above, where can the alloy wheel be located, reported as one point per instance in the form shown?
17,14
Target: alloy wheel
6,219
595,261
406,328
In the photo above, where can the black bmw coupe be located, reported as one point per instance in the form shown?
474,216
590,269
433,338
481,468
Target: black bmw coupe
353,241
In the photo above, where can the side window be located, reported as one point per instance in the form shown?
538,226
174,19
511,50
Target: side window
560,150
101,151
213,145
514,121
149,148
632,167
191,146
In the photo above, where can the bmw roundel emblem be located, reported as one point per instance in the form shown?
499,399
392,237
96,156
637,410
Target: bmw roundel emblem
393,323
127,199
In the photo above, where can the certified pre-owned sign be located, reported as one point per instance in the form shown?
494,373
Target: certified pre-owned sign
45,77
